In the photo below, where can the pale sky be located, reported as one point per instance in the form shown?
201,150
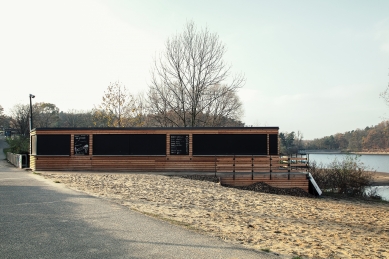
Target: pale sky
313,66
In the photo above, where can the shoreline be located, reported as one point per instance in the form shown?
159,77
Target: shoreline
380,179
368,153
287,225
347,153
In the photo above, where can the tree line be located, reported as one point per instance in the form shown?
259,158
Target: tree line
371,139
191,86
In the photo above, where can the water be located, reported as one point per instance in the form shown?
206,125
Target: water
379,163
382,191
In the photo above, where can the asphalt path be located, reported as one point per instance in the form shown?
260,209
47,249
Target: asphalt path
3,145
43,219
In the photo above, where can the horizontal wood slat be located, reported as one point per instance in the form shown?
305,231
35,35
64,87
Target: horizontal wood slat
274,180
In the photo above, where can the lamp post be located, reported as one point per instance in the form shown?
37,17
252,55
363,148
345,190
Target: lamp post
31,96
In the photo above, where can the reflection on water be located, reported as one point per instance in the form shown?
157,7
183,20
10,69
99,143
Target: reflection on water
382,191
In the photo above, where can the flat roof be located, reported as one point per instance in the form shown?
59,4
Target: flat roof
154,128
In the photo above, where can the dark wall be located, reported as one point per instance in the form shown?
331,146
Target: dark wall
129,144
229,144
52,145
273,144
155,144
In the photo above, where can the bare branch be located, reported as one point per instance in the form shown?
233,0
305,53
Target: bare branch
187,78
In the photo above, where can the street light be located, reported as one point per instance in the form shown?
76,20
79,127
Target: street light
31,96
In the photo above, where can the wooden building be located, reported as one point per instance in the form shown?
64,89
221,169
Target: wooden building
243,150
148,149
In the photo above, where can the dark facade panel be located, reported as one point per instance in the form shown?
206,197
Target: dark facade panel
111,144
53,145
148,144
229,144
273,144
129,144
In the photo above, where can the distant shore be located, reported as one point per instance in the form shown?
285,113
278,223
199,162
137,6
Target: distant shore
369,153
345,153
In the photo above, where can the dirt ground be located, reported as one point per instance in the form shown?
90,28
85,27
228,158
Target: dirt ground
307,227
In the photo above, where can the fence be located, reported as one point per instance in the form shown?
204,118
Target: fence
277,171
18,160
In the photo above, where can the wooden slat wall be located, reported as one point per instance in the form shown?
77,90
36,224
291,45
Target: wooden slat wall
243,170
147,163
258,164
279,180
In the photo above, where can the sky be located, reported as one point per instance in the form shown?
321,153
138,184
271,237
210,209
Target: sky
317,67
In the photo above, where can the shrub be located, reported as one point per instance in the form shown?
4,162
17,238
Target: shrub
18,145
348,176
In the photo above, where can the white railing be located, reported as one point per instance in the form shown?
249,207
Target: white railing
17,159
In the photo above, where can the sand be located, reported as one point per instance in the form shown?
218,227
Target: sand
292,226
380,179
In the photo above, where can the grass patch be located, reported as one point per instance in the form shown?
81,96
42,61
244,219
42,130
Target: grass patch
267,250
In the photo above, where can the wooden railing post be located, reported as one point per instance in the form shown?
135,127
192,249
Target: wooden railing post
215,166
233,167
252,167
270,167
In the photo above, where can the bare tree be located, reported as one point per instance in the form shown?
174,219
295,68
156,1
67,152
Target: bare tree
141,118
385,95
20,114
191,84
117,108
75,119
2,118
5,120
45,115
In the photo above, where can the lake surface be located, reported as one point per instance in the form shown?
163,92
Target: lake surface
382,191
379,163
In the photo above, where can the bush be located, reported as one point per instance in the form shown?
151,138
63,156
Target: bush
18,145
348,176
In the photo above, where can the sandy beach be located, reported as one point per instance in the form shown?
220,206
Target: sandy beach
292,226
380,179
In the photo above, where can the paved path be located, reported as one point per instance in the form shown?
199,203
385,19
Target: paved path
42,219
3,145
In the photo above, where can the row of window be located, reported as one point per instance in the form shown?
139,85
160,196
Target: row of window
155,144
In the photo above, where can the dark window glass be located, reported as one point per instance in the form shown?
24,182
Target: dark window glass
111,144
229,144
273,144
148,144
129,144
53,145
